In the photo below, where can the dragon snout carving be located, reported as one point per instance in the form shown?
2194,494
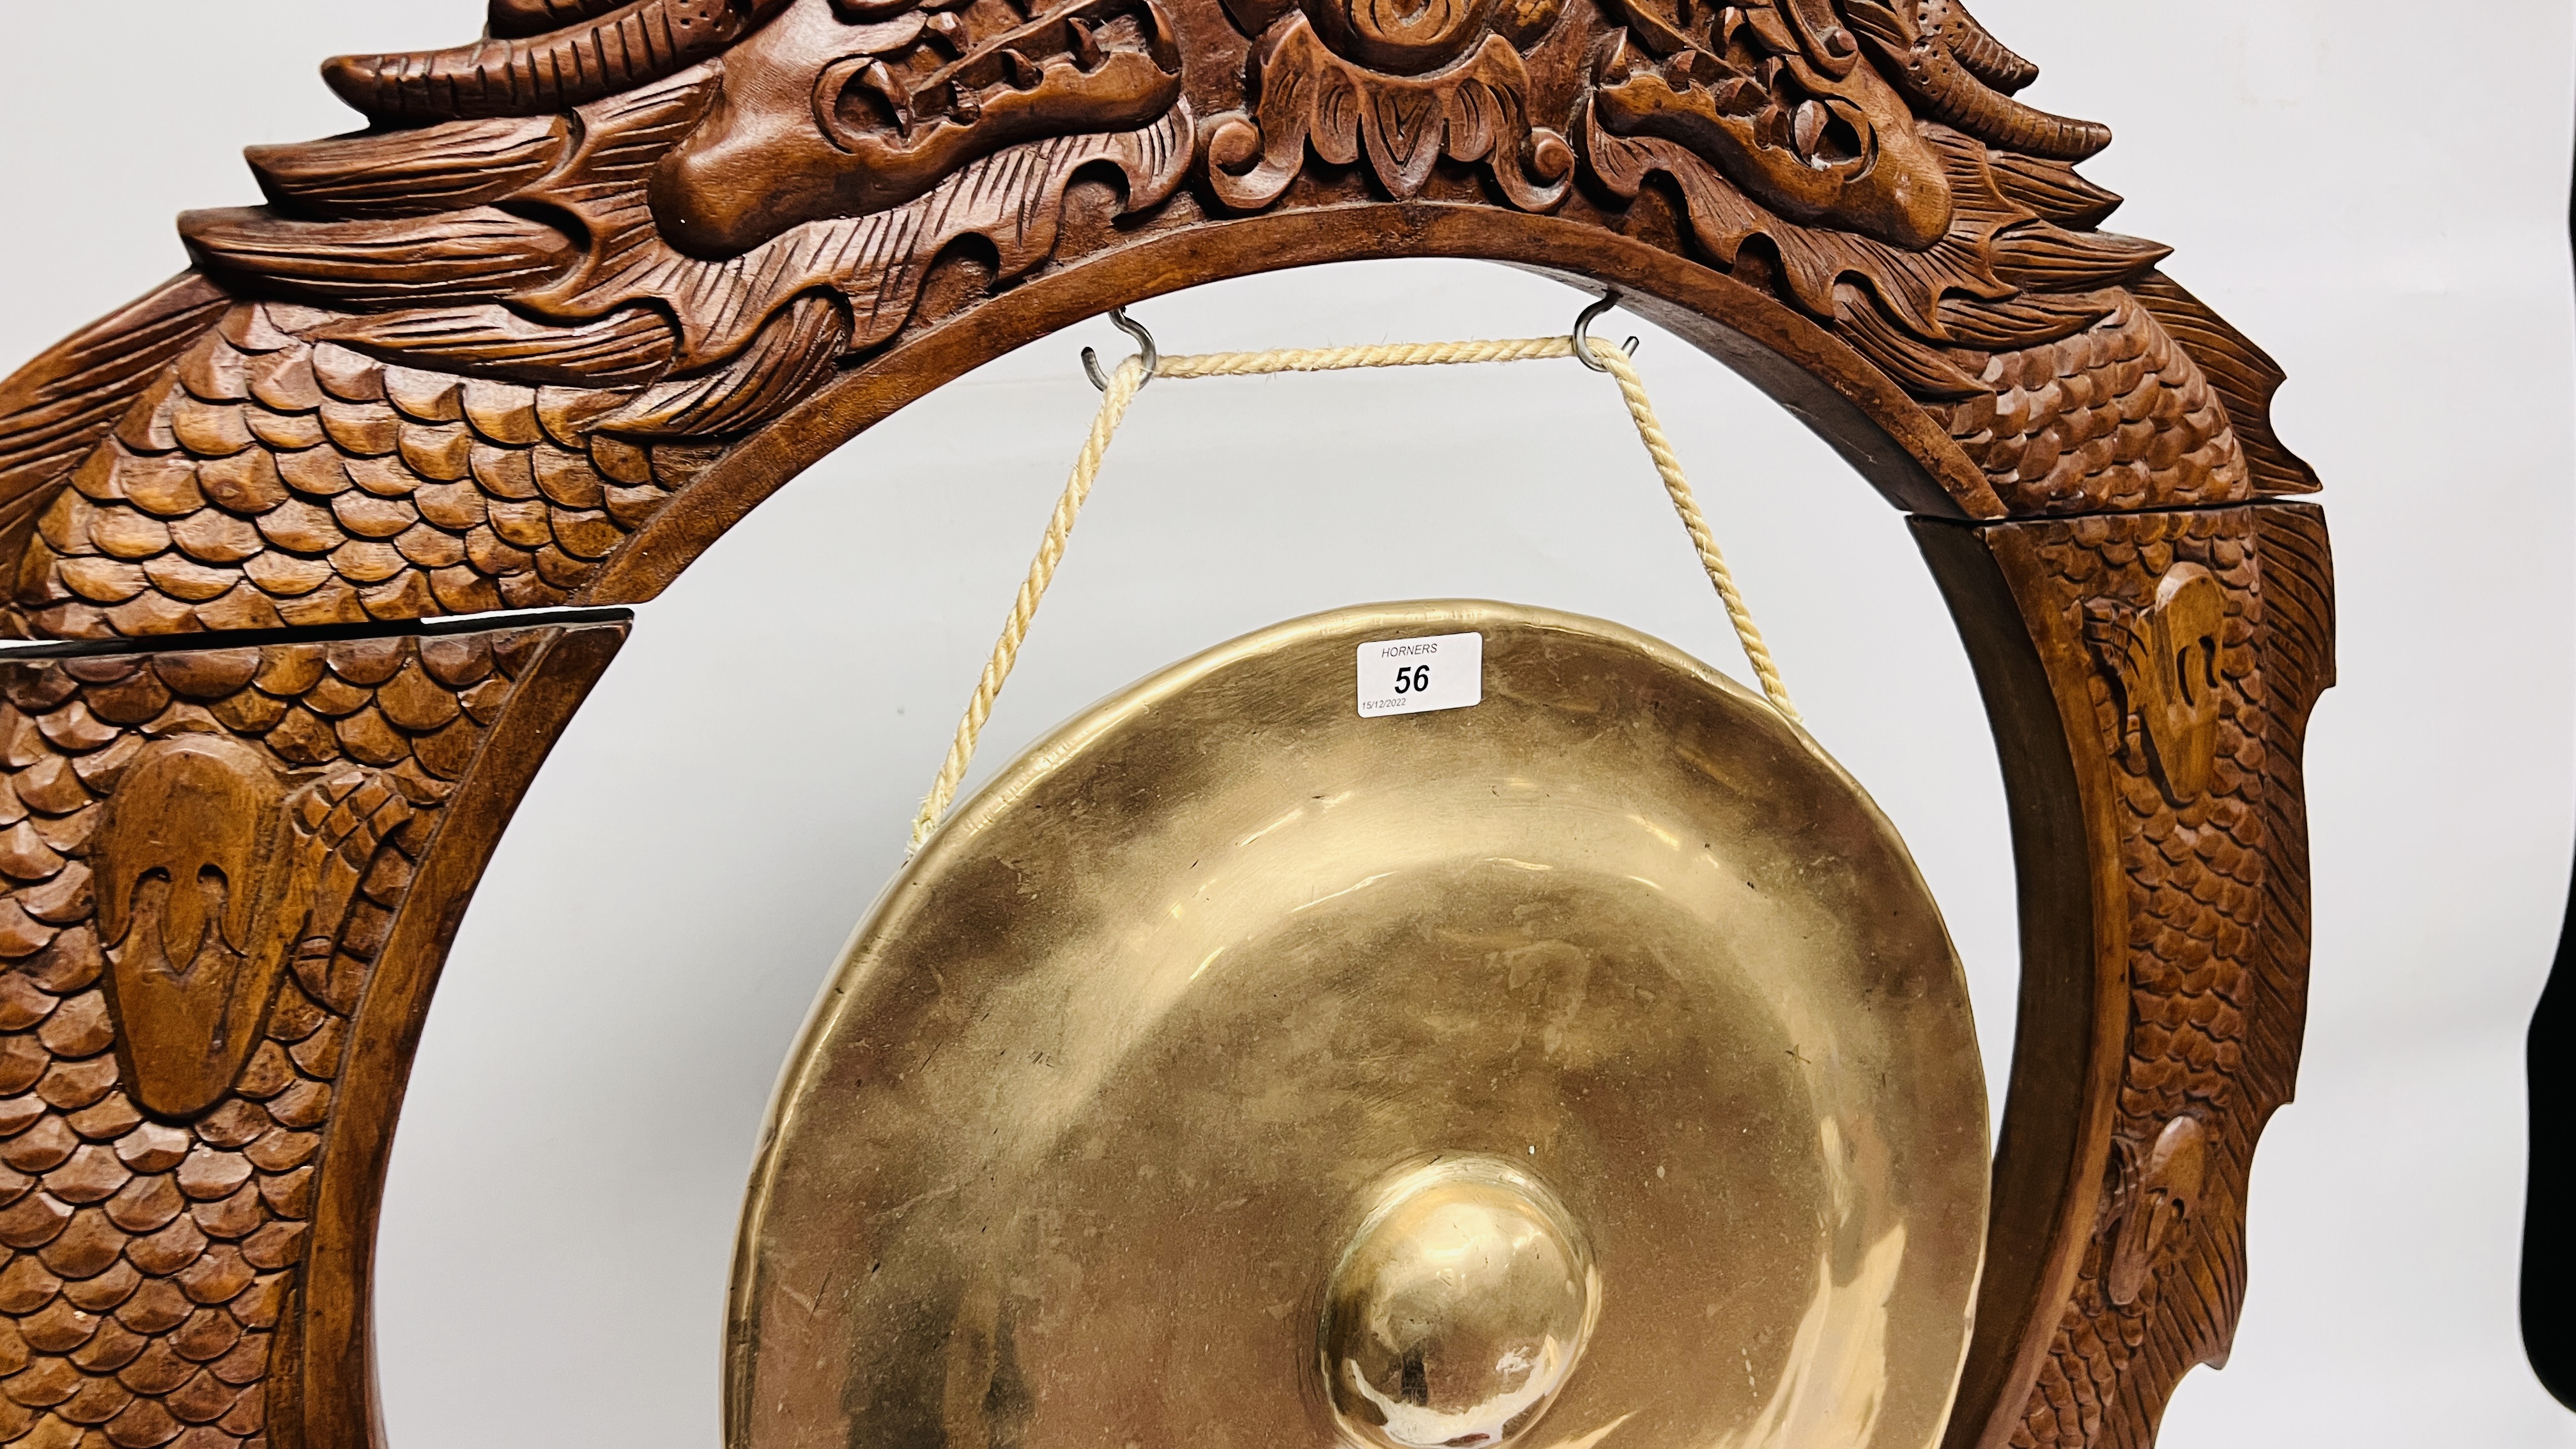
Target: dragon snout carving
1776,93
842,109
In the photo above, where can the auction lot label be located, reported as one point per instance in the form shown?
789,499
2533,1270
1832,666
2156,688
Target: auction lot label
1416,676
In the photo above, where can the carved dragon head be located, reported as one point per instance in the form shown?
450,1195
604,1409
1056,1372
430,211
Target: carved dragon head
824,107
1787,97
854,106
696,207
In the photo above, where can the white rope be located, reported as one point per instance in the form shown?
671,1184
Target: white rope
1130,376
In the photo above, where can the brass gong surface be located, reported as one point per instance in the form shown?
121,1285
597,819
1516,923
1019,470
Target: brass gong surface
1588,1066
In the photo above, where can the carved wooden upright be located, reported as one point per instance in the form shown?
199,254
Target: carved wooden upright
586,289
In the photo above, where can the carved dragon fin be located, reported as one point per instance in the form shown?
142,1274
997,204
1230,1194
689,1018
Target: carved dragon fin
410,173
1919,367
199,896
477,255
795,351
534,75
2052,259
2119,640
2244,376
56,408
1923,62
2163,662
628,346
2052,189
2025,319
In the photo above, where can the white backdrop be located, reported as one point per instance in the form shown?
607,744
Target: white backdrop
2376,194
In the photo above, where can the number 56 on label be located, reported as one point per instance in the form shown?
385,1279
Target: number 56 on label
1416,676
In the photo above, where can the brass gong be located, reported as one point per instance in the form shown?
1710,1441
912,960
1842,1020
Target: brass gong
1588,1066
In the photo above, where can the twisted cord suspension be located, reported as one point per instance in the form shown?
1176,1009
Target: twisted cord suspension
1342,359
1650,431
1120,389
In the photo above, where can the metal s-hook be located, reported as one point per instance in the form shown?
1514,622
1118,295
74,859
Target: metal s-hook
1583,332
1152,356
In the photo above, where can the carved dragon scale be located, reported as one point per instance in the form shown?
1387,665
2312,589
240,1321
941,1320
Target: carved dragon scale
585,288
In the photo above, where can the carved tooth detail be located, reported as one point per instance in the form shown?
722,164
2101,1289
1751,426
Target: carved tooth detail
1808,126
880,80
1738,96
1084,44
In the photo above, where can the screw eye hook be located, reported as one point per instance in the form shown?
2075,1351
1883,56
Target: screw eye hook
1152,355
1583,332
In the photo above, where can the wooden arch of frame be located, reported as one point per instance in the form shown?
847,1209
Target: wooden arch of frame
589,288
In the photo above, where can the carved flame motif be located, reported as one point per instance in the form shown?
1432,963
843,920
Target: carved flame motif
2165,659
210,877
1399,84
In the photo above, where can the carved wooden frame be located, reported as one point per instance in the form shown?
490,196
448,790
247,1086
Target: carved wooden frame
590,289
